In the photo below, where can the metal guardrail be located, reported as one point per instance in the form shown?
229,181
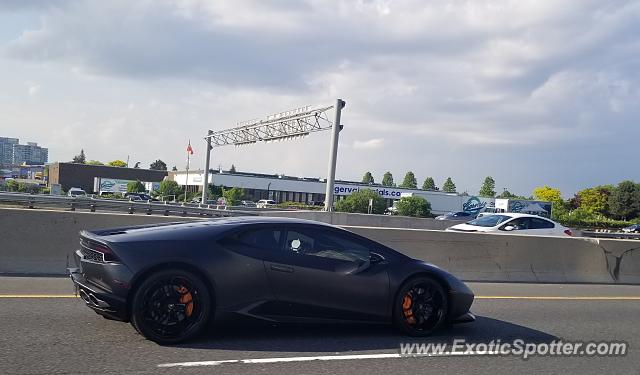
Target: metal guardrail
97,204
614,235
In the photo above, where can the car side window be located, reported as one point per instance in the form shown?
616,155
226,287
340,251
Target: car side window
540,224
263,238
521,223
326,244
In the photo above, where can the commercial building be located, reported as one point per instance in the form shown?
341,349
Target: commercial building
282,188
6,150
13,153
82,175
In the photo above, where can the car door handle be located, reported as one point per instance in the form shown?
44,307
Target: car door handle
282,268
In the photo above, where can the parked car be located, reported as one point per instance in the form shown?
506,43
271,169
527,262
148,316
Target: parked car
266,203
140,197
513,223
276,269
77,193
248,203
456,216
635,228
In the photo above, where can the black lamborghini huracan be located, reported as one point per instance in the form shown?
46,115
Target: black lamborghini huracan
169,280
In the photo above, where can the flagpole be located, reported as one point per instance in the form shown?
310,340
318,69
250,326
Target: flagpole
186,183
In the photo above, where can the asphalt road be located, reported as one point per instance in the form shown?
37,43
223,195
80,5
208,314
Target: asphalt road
43,330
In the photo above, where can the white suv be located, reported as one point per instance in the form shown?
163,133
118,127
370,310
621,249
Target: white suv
77,192
265,203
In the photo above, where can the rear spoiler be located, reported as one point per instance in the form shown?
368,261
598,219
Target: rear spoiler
122,230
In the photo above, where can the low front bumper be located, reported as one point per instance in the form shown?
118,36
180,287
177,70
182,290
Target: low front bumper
100,301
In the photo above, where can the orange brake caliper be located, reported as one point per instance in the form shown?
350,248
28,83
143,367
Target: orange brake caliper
406,309
187,299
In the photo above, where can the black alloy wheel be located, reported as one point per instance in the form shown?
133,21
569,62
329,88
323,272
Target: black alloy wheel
420,306
171,306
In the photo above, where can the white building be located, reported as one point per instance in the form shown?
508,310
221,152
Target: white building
283,188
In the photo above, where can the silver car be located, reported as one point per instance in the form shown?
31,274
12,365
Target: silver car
456,216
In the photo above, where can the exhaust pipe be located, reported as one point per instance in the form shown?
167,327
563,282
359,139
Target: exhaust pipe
84,296
91,299
98,302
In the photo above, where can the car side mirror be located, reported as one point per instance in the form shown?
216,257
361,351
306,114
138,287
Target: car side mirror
509,228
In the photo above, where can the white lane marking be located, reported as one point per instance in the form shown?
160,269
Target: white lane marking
325,358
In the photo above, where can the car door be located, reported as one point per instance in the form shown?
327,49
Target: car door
248,250
328,273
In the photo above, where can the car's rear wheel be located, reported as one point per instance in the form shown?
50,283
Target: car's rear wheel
171,306
420,306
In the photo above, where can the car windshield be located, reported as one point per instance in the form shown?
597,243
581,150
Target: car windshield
489,220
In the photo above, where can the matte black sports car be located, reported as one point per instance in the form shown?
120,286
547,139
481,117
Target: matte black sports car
169,280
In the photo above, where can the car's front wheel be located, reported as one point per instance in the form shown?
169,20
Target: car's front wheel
171,306
420,306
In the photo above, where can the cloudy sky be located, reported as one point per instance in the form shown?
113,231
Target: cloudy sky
530,92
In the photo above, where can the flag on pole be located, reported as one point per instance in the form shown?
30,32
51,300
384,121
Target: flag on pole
189,148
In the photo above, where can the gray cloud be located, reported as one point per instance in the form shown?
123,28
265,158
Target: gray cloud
503,88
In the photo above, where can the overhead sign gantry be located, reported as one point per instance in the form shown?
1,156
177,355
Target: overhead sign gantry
282,126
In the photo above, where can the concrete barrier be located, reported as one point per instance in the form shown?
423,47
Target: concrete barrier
495,257
39,242
43,241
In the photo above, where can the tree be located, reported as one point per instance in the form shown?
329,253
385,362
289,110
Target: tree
409,181
449,186
624,201
413,206
368,178
232,196
506,194
429,184
137,165
215,191
232,169
117,163
553,195
95,162
488,188
593,200
135,187
387,179
358,202
174,168
548,194
168,187
12,185
80,158
158,165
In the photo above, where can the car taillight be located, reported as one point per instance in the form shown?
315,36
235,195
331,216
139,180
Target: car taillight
107,254
568,232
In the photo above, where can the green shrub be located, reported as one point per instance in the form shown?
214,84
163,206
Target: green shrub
413,206
233,196
135,187
580,218
299,206
358,202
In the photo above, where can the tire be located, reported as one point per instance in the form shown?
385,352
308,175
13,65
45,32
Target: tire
171,306
420,306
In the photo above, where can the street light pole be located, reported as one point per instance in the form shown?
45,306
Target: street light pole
205,180
333,155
